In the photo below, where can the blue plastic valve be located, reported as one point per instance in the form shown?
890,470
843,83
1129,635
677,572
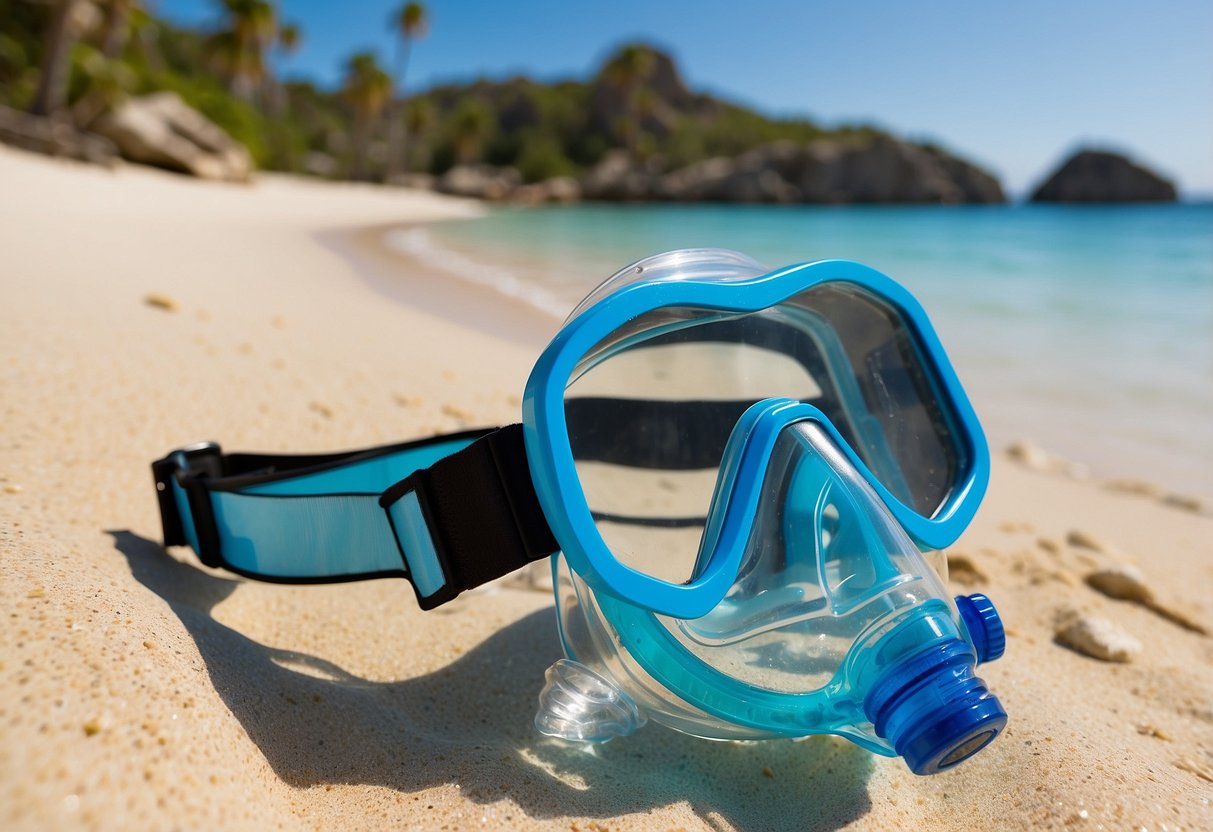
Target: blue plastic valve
984,626
933,709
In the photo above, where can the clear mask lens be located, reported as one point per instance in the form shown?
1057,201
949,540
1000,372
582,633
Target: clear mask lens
650,409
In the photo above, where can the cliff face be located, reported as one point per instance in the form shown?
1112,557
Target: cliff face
1098,176
878,169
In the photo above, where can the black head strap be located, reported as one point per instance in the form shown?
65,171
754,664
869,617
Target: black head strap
479,517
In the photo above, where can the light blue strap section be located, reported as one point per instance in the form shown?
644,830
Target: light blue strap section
305,537
418,546
328,524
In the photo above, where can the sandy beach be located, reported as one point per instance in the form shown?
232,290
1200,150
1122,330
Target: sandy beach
141,690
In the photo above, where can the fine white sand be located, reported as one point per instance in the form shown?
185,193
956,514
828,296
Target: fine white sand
139,690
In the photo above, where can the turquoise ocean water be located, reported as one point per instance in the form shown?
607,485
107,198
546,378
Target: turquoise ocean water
1088,330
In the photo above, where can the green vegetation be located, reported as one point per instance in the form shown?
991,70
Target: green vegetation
365,128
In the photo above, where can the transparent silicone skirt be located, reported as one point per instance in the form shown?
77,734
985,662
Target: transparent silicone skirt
834,613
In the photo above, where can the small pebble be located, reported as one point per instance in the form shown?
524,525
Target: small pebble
1097,638
1153,731
1026,453
1082,540
456,412
1064,577
159,301
1122,582
13,488
1049,545
92,727
1138,487
1182,501
321,408
962,570
1037,459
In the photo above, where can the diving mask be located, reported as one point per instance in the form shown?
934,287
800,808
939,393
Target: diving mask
738,469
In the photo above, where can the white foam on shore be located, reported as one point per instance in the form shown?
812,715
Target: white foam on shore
419,244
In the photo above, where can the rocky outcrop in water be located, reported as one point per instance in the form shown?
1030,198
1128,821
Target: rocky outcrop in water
1099,176
162,130
873,170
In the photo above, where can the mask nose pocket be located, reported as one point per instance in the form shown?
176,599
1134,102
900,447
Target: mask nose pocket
820,545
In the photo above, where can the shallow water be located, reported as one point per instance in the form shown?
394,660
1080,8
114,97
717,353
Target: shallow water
1086,329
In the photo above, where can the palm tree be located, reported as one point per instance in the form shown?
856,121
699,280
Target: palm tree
419,116
289,38
367,89
470,128
410,22
61,35
287,41
240,51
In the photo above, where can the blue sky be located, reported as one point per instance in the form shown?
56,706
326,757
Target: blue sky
1014,86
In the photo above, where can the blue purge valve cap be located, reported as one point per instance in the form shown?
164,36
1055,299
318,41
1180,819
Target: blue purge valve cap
933,709
984,626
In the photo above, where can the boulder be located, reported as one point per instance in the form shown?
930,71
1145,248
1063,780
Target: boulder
560,189
162,130
54,137
619,178
479,181
1099,176
320,164
751,177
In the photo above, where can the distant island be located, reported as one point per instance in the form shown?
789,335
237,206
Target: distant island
97,82
1102,176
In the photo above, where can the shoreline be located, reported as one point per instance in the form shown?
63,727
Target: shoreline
393,268
139,689
1036,366
394,273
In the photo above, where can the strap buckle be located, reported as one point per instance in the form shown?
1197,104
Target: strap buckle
183,467
410,514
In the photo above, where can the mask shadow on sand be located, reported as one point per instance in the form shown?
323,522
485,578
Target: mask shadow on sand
318,724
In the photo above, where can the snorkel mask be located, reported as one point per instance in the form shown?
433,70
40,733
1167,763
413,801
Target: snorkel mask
736,474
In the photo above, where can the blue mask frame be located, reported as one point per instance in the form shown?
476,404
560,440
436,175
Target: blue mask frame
555,477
